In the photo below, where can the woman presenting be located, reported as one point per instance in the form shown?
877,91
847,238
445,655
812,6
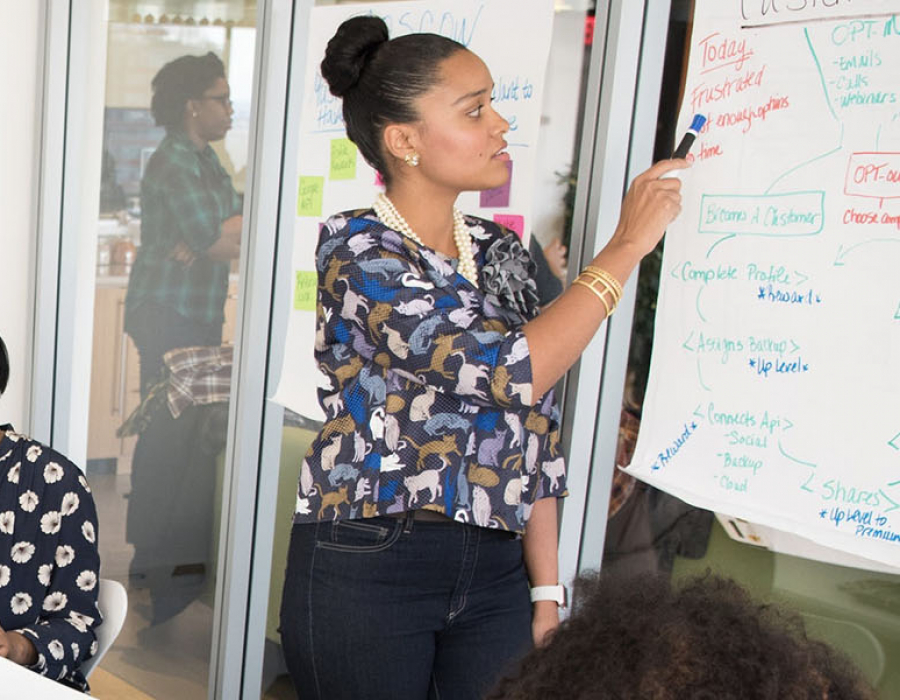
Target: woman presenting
427,503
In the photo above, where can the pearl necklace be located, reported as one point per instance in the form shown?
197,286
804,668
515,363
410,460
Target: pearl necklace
391,218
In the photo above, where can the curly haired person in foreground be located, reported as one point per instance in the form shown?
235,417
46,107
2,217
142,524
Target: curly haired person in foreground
702,639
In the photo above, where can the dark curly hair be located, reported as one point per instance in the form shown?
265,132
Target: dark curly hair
379,78
644,639
4,366
183,79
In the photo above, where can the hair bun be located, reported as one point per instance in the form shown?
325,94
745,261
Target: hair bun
349,50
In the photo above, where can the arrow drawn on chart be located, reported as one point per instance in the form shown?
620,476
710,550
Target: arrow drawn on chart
808,162
697,412
821,75
894,504
794,459
842,254
699,312
688,340
893,442
897,312
805,485
721,240
800,274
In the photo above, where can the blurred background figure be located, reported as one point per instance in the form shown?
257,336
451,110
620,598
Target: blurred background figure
174,311
191,218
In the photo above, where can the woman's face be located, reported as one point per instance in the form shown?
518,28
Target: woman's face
213,109
459,136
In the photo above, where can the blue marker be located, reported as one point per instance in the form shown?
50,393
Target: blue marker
688,139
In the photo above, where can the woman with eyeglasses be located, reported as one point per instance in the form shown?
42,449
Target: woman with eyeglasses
190,233
190,218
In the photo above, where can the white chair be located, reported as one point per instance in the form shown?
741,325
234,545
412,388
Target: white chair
113,603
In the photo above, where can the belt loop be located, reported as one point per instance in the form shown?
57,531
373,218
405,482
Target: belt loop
408,518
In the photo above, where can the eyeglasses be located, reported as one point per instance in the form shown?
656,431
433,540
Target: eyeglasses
224,100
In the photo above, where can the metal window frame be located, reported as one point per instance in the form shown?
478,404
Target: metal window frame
617,143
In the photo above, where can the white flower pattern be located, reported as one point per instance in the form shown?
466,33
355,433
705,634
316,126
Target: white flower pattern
56,649
41,547
86,580
28,501
50,522
53,473
20,603
69,503
64,555
55,601
22,552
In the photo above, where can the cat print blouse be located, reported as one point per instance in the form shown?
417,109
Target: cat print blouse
429,381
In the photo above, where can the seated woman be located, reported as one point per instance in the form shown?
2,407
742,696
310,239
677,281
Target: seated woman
642,637
49,563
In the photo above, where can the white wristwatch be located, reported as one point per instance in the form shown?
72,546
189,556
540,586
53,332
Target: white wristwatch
555,593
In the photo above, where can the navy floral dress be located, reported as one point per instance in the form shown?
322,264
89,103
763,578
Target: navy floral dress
49,563
429,397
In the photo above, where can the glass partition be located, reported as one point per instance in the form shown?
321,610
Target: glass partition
176,113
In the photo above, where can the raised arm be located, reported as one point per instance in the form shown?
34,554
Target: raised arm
560,334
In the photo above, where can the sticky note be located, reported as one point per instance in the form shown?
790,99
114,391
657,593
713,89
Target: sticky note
309,195
343,159
379,180
499,196
514,222
305,286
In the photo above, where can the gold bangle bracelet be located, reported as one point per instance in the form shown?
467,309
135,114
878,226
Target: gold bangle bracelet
593,281
600,272
598,294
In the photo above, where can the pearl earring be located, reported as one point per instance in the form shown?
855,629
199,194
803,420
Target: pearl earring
412,159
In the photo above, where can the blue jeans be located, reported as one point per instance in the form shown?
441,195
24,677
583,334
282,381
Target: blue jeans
402,609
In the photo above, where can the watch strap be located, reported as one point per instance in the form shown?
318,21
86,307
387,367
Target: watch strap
556,593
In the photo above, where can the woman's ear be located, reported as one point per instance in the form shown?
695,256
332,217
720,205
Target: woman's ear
399,140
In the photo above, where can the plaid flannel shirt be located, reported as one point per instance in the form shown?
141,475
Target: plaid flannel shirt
195,376
186,194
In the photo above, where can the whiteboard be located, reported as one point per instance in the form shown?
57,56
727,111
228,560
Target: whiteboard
513,39
774,391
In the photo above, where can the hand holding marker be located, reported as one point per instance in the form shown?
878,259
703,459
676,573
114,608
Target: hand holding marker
687,141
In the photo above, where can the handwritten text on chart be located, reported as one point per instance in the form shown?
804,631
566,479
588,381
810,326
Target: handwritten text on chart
668,454
305,290
875,175
791,214
762,12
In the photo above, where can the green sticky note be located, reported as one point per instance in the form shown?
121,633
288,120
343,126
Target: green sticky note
309,195
343,159
305,286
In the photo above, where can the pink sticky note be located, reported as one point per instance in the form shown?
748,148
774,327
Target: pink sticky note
378,179
499,196
514,222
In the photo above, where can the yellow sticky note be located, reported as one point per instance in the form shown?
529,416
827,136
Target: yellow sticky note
309,195
343,159
305,286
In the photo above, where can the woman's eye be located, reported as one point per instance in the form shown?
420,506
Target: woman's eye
477,111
